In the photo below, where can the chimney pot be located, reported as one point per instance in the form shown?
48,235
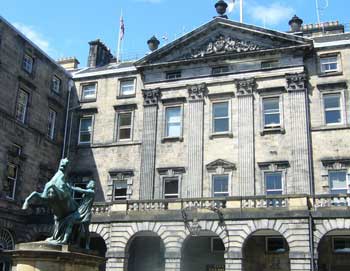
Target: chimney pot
153,43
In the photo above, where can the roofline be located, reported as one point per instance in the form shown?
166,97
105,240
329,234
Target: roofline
77,75
35,46
219,19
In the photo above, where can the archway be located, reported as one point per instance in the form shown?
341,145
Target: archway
204,252
6,243
97,243
145,252
266,250
334,251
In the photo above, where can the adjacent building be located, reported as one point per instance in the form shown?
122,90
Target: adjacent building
34,93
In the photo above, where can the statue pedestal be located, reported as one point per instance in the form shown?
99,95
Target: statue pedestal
42,256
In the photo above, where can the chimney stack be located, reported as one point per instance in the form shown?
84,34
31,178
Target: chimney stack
295,24
69,63
99,54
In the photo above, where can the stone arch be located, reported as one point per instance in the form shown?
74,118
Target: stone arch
7,241
101,230
325,226
253,226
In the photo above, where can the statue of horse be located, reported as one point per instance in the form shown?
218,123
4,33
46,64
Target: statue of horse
57,195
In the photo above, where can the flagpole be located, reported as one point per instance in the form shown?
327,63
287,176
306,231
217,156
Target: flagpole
241,11
119,37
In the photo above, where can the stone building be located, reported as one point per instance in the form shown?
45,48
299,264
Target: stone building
34,93
226,149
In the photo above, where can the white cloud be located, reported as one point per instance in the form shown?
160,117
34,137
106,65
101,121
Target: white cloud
271,14
34,36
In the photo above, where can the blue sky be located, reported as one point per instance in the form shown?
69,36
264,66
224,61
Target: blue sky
64,28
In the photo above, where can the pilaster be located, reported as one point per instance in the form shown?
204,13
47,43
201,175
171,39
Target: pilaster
246,168
149,140
172,264
300,264
116,264
299,131
233,265
192,187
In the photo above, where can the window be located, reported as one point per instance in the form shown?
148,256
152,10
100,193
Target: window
338,181
89,92
171,188
51,123
221,117
28,63
220,186
275,245
269,64
127,87
271,108
56,84
341,244
218,70
173,75
173,121
10,183
329,64
124,127
22,106
77,195
273,182
85,130
217,245
16,150
332,108
120,188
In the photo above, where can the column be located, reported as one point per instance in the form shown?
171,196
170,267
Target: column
246,159
172,264
192,187
149,138
299,134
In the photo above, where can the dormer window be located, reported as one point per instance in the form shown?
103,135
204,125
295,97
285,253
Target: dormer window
173,75
219,70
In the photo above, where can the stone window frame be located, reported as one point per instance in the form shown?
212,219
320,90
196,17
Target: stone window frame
269,94
119,93
115,175
221,167
341,92
56,91
26,114
15,180
92,128
24,68
123,109
173,75
271,167
338,164
168,103
220,99
81,87
329,55
170,172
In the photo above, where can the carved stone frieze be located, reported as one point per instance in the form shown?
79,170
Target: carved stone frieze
151,96
245,86
222,45
196,92
296,81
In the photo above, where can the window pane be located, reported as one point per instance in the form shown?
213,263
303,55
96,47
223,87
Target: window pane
89,91
333,116
124,119
337,180
127,87
272,119
12,171
125,133
51,123
22,103
85,124
173,121
332,101
85,137
220,109
171,188
271,104
341,244
174,130
221,125
273,183
275,244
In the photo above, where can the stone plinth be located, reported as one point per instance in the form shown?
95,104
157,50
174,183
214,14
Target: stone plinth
41,256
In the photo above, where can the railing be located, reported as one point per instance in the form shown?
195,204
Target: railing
147,205
264,202
332,201
101,208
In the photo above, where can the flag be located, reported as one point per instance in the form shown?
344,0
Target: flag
122,28
231,5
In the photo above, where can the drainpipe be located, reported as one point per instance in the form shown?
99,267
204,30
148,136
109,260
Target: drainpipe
70,86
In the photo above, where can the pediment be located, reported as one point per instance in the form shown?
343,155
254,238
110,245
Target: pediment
222,37
220,163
